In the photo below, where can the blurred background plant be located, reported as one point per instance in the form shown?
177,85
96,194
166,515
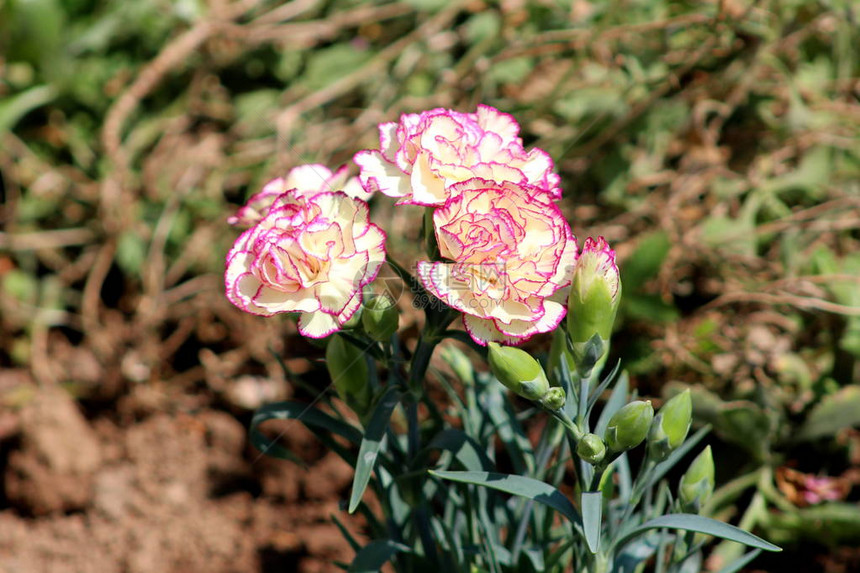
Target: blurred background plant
714,144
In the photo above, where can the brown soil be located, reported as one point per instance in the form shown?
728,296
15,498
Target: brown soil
162,493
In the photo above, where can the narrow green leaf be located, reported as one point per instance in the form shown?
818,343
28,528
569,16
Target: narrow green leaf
464,448
518,485
692,563
560,555
310,417
375,554
625,479
592,510
504,420
501,554
571,405
636,552
451,544
371,443
346,534
604,384
700,524
535,556
739,564
663,467
616,400
582,404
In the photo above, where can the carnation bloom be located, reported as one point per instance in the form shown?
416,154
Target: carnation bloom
513,254
305,180
310,254
421,157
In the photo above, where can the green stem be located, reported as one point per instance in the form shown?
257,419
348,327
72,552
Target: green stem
413,434
597,563
573,430
642,479
596,478
420,363
414,284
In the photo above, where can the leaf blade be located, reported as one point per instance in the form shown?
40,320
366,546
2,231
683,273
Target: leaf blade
700,524
518,485
370,444
592,510
375,554
312,418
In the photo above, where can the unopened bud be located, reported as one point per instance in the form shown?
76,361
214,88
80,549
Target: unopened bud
380,318
591,448
553,399
593,301
670,426
697,484
348,370
353,321
518,371
629,426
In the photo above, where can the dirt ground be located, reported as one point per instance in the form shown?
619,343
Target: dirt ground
163,493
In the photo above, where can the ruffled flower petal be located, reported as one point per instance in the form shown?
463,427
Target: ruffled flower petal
423,156
301,183
317,324
378,174
511,251
311,253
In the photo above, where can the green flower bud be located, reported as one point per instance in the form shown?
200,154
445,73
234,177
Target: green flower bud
629,426
518,371
380,317
593,302
553,399
348,370
591,448
670,426
353,321
697,484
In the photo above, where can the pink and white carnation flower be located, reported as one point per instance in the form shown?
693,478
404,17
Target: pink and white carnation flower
510,257
424,155
305,180
309,254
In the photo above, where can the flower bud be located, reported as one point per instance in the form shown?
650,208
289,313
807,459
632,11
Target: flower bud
348,370
670,426
553,399
593,302
591,448
697,484
518,371
629,426
354,320
380,317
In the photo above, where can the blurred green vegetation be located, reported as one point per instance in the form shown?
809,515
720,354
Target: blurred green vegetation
716,144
